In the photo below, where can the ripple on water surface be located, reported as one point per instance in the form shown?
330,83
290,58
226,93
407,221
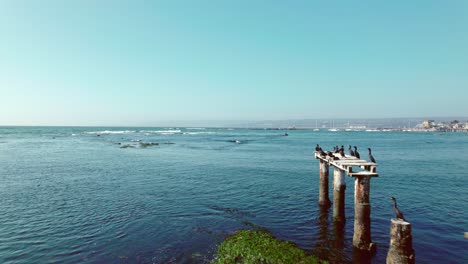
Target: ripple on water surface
70,196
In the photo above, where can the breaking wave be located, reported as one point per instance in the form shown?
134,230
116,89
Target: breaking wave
110,132
198,133
163,132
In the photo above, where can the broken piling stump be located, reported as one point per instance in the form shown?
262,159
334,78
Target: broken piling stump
401,243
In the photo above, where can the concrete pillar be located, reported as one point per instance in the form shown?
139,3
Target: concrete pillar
339,187
323,188
401,243
362,227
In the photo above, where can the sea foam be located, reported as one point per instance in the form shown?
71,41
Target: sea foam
163,132
110,132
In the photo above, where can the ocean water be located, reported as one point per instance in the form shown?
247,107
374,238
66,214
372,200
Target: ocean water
96,195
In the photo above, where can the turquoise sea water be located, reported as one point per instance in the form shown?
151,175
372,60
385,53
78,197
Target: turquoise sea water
68,195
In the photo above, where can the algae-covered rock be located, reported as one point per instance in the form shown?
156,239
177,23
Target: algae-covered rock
248,246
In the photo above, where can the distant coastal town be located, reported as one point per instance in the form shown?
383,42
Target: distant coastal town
452,126
429,125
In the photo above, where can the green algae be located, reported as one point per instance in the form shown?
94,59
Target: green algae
249,246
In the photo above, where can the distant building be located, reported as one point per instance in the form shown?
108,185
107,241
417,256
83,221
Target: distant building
428,124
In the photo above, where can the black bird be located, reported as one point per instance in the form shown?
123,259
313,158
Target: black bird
398,213
321,152
342,153
356,154
351,152
342,148
370,156
332,156
317,148
336,149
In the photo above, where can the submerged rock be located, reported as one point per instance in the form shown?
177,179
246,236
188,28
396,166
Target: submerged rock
144,145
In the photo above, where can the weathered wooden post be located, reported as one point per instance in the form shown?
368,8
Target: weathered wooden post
362,227
339,187
401,243
323,189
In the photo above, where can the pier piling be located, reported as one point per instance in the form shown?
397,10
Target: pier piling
323,189
339,187
401,243
362,210
364,172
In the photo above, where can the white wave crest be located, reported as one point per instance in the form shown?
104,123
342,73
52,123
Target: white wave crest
198,133
110,132
163,132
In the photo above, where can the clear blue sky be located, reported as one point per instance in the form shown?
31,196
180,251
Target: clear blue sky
150,62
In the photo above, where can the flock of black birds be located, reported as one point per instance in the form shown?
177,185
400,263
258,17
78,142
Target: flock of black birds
341,153
355,153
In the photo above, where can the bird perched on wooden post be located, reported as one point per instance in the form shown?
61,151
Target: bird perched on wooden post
398,213
351,152
332,156
321,152
342,153
371,158
356,153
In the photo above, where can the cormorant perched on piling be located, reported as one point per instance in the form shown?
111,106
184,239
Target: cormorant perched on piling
321,152
333,157
398,213
336,149
356,154
370,156
342,148
351,152
317,148
342,153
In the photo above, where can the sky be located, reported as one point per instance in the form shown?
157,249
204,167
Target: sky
153,62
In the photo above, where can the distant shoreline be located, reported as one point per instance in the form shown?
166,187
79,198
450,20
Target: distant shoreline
339,129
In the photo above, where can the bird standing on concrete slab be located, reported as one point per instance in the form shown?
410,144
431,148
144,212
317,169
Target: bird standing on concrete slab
356,153
351,152
317,148
398,213
371,158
